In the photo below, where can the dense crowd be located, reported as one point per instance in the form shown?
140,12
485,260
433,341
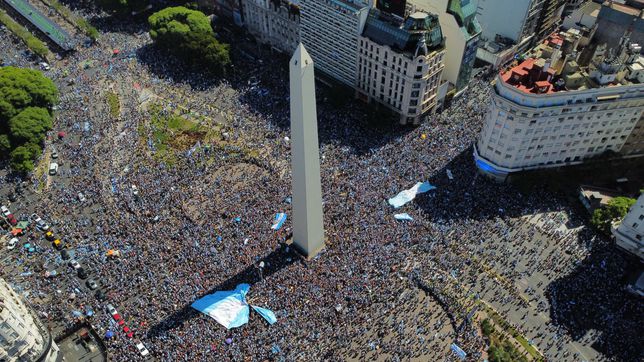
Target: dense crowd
202,223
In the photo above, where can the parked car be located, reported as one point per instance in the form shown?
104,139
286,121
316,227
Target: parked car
5,211
65,254
100,296
12,243
53,168
40,223
49,235
91,284
74,264
54,153
44,66
12,220
82,273
142,350
58,244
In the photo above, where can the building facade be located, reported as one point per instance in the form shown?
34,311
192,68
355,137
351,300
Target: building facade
615,19
400,62
511,19
462,32
329,29
548,111
273,22
22,336
549,18
629,235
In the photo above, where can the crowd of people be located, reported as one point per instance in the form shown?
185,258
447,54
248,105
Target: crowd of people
202,223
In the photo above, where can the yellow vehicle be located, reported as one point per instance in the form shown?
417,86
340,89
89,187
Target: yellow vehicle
58,244
49,235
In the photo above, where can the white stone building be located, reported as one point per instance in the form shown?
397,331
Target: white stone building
400,62
629,235
273,22
548,111
22,336
329,29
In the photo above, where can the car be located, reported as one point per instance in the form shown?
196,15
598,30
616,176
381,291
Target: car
100,296
40,223
49,235
13,197
44,66
58,244
81,197
65,254
5,211
54,153
74,264
12,220
12,243
142,350
91,284
82,273
121,322
53,168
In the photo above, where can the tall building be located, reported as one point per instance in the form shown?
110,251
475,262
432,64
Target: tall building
22,336
549,18
400,62
550,111
508,27
329,29
273,22
462,31
629,235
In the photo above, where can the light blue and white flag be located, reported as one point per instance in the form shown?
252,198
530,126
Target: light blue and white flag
459,352
278,221
407,195
228,308
403,217
266,313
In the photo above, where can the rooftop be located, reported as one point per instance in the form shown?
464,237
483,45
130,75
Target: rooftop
552,66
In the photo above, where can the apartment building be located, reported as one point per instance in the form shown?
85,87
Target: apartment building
273,22
329,29
462,32
548,111
629,235
22,336
400,62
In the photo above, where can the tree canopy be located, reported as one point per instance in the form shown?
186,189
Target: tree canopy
188,34
615,210
26,99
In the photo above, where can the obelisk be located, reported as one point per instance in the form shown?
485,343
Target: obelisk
308,228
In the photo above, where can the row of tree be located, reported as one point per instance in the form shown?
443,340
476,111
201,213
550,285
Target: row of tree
26,101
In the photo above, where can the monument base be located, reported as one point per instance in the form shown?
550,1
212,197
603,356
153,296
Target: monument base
302,252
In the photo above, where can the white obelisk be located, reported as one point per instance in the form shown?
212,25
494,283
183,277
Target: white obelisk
308,229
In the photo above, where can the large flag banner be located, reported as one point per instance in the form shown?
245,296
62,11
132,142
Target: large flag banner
407,195
266,313
228,308
278,221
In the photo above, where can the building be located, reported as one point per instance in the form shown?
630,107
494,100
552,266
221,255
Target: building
22,336
615,19
461,30
550,111
629,234
273,22
329,29
400,62
549,18
584,19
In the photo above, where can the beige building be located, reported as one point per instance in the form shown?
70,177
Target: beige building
400,63
629,235
273,22
549,111
22,336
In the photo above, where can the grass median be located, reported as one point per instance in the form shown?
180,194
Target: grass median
34,44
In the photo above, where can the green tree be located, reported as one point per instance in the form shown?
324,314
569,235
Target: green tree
5,145
188,34
30,125
22,159
615,210
487,327
21,88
